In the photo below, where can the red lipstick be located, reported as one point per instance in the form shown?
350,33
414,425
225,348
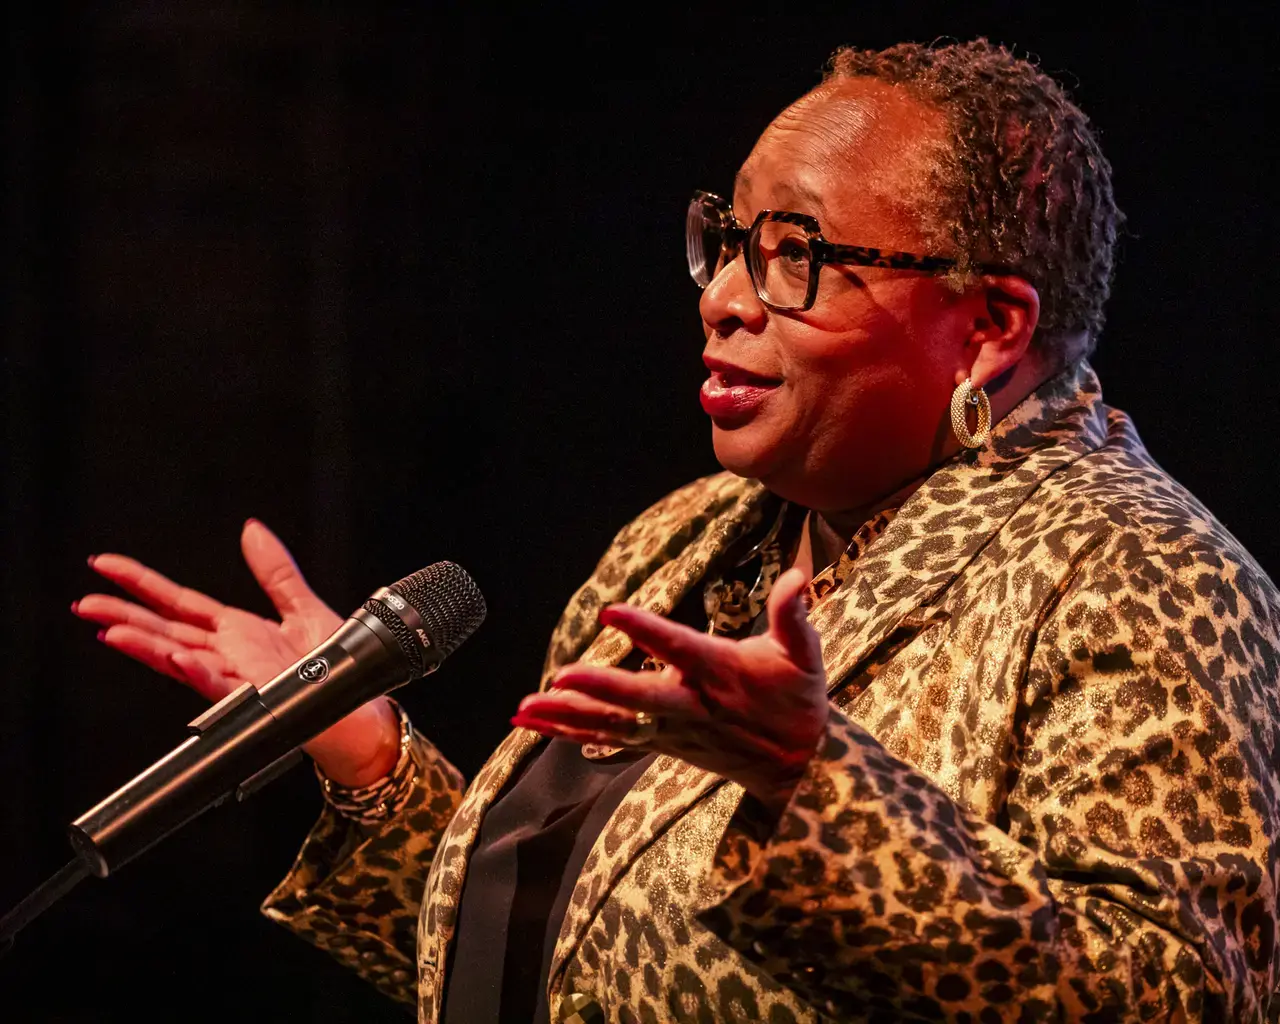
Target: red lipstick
732,393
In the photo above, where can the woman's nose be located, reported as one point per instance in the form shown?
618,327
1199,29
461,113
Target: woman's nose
730,300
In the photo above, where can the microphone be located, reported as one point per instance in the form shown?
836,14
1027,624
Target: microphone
252,735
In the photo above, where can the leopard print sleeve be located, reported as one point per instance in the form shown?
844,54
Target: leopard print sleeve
355,890
1150,781
1133,873
875,898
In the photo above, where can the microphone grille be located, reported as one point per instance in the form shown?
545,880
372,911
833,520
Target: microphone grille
409,644
448,600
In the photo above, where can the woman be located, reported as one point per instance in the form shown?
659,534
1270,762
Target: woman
942,702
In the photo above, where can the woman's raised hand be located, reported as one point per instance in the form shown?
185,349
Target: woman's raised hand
214,648
751,710
210,646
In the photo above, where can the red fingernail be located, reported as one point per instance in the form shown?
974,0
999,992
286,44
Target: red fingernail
75,607
102,634
91,558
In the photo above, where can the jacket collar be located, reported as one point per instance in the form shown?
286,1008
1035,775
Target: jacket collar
955,513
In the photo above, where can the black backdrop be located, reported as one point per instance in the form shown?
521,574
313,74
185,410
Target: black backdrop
408,285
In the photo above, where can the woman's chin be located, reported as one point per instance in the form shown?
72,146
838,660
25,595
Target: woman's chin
743,451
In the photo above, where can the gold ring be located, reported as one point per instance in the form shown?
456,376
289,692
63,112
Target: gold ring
644,729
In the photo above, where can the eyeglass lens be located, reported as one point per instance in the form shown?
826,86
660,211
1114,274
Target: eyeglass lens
704,241
780,262
778,254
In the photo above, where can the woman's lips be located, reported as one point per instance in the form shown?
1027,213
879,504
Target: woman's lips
733,395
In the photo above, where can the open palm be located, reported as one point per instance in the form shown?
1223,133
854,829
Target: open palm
214,648
210,646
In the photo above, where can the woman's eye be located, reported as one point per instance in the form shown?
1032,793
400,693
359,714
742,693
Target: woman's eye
794,253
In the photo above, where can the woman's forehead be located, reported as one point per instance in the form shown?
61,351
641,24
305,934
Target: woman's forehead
794,177
844,155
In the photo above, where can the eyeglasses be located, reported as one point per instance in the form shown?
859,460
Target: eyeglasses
784,252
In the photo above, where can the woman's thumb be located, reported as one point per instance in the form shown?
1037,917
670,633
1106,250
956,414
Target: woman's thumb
788,623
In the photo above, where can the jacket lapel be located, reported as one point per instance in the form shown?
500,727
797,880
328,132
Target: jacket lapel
677,540
438,916
667,789
734,509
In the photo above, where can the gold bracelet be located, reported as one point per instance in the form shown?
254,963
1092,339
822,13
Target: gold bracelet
382,800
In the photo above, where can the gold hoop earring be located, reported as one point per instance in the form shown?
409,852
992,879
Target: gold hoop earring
964,396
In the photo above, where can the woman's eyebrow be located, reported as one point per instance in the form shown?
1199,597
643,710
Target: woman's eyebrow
789,191
809,196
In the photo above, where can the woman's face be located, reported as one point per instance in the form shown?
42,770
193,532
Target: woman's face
840,405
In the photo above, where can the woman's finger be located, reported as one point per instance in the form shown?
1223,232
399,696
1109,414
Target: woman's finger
201,676
789,622
636,691
523,721
669,641
156,591
154,651
578,711
114,611
276,572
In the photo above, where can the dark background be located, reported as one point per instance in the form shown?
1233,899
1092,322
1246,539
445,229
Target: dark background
408,285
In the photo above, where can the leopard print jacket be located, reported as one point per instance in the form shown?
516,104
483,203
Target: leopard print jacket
1049,787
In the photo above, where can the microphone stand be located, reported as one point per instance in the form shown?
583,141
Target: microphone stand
90,832
219,758
40,900
224,744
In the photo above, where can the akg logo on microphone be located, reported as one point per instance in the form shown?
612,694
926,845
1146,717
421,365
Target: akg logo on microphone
313,670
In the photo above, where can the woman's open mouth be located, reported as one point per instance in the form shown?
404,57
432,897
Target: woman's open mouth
731,393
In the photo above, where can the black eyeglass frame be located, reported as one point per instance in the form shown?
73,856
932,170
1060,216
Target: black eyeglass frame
735,238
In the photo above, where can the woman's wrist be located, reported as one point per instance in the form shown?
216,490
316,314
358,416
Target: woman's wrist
362,748
375,803
776,793
773,781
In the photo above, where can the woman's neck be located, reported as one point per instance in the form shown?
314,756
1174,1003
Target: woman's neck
825,541
825,535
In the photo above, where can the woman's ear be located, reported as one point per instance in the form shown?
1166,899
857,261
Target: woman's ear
1002,330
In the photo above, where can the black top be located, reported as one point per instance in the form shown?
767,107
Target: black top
535,838
529,852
